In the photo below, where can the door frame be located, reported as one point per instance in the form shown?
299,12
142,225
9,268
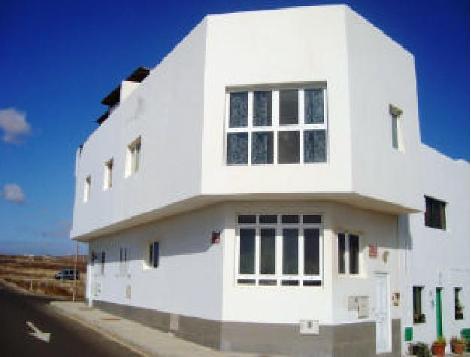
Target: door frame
386,276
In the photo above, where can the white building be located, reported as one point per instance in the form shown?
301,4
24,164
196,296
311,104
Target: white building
264,188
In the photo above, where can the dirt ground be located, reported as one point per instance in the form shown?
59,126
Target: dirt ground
36,274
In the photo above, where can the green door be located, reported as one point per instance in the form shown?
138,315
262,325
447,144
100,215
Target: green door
438,307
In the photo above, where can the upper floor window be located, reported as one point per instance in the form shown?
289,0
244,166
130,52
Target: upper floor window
348,249
435,216
281,250
133,157
396,132
102,261
283,126
108,177
86,188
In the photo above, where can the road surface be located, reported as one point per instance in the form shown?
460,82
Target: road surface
67,337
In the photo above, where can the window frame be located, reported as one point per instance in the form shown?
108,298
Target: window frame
278,276
428,215
418,317
301,127
134,157
87,187
108,174
346,255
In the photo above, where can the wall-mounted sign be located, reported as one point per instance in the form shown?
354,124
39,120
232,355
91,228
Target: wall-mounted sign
373,250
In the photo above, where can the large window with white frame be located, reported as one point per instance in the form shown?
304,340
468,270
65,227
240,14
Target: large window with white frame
277,126
279,250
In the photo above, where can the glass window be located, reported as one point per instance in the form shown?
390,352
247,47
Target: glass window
341,252
290,251
459,308
86,188
290,218
238,110
435,216
395,140
354,252
267,251
108,181
314,146
262,108
311,252
417,304
237,148
288,106
313,106
247,218
288,147
103,259
154,254
262,148
133,157
247,251
269,218
312,218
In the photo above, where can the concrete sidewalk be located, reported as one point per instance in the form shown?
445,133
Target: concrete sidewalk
139,338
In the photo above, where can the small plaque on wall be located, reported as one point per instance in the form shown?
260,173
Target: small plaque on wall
373,250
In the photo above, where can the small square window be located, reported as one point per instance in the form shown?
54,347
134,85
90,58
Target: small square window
435,215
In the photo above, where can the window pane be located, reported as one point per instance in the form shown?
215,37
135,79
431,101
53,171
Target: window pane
267,282
262,108
290,282
313,106
246,218
417,303
289,218
394,132
354,251
290,251
247,251
238,110
269,218
288,147
341,251
262,148
156,255
288,106
312,218
314,146
237,149
267,251
311,251
435,216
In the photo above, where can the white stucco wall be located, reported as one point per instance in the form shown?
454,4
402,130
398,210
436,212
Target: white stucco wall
188,280
166,110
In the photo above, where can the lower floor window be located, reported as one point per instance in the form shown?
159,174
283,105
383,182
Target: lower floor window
348,248
417,304
279,250
458,305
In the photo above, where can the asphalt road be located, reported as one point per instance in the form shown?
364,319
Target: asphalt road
68,338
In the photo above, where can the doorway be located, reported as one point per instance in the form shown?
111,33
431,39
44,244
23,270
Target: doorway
438,308
383,315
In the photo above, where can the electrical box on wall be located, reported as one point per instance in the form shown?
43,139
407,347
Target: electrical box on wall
309,327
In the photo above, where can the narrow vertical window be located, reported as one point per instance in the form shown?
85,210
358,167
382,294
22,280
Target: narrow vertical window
419,317
267,251
133,157
108,179
341,252
354,252
247,251
86,188
290,251
311,252
154,254
395,127
103,259
459,308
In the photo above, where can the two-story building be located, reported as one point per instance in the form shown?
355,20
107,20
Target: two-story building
264,189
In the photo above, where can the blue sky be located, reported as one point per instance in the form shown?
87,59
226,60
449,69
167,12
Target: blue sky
58,59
